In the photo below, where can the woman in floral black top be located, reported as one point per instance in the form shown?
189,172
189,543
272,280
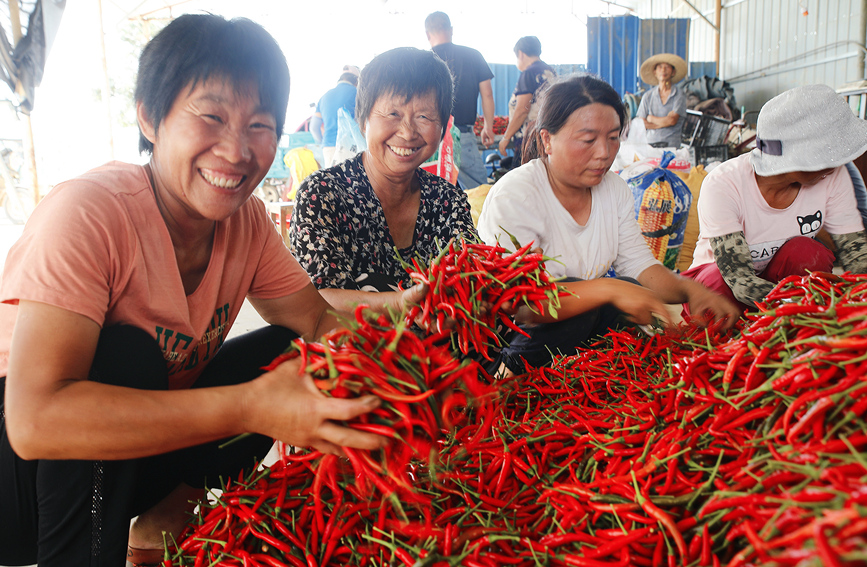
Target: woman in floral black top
350,218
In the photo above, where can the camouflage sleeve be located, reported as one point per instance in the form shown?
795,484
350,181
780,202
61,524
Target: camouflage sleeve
732,256
852,251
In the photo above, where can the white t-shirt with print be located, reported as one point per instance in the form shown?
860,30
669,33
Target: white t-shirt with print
523,204
730,201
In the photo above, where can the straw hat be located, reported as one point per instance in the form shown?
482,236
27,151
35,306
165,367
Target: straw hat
807,128
650,63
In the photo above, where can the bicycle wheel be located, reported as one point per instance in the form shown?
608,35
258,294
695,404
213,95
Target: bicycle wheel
16,205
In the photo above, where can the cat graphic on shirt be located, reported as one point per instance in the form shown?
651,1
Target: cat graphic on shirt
810,223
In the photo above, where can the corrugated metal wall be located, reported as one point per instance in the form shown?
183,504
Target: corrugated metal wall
616,46
503,84
769,46
761,60
700,68
612,50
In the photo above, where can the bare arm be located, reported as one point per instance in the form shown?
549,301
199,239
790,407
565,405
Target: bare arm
54,412
638,303
487,92
704,303
656,122
306,312
381,302
852,251
522,110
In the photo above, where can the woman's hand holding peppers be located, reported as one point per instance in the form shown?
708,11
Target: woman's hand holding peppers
708,306
287,405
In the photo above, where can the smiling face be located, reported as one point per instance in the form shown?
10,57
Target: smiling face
582,151
402,134
211,151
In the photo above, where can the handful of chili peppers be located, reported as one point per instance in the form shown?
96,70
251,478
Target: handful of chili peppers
687,448
424,390
469,284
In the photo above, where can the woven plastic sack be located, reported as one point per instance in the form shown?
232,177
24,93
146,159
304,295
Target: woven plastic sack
662,202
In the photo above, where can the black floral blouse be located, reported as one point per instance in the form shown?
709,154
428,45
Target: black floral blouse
339,234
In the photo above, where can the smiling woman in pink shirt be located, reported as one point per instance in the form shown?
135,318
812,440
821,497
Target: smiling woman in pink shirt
119,385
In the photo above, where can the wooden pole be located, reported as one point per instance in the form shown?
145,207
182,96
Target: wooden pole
15,18
717,17
106,84
29,150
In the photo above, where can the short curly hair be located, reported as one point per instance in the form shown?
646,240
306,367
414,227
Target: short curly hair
406,72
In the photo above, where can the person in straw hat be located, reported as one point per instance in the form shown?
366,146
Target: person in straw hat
759,213
663,108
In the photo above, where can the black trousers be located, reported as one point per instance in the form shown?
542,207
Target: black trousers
75,513
562,337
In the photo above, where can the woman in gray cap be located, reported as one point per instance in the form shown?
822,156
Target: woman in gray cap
759,213
663,108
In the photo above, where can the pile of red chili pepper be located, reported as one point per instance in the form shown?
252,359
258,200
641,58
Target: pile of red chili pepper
673,449
501,123
470,283
424,389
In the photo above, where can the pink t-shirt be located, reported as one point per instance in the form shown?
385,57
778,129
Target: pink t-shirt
98,246
730,201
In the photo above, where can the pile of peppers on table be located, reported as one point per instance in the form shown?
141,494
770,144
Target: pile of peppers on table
687,447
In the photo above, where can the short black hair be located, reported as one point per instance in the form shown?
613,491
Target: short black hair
406,72
563,98
530,45
350,78
437,22
197,47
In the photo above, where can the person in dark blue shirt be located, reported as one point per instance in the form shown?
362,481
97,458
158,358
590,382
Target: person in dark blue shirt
535,77
472,78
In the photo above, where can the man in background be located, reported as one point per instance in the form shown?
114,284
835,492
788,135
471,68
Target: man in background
472,78
663,107
323,125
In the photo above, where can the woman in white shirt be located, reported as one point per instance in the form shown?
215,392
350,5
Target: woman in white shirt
567,202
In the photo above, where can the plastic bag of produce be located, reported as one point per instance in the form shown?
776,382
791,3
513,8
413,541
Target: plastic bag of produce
662,203
350,140
442,163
